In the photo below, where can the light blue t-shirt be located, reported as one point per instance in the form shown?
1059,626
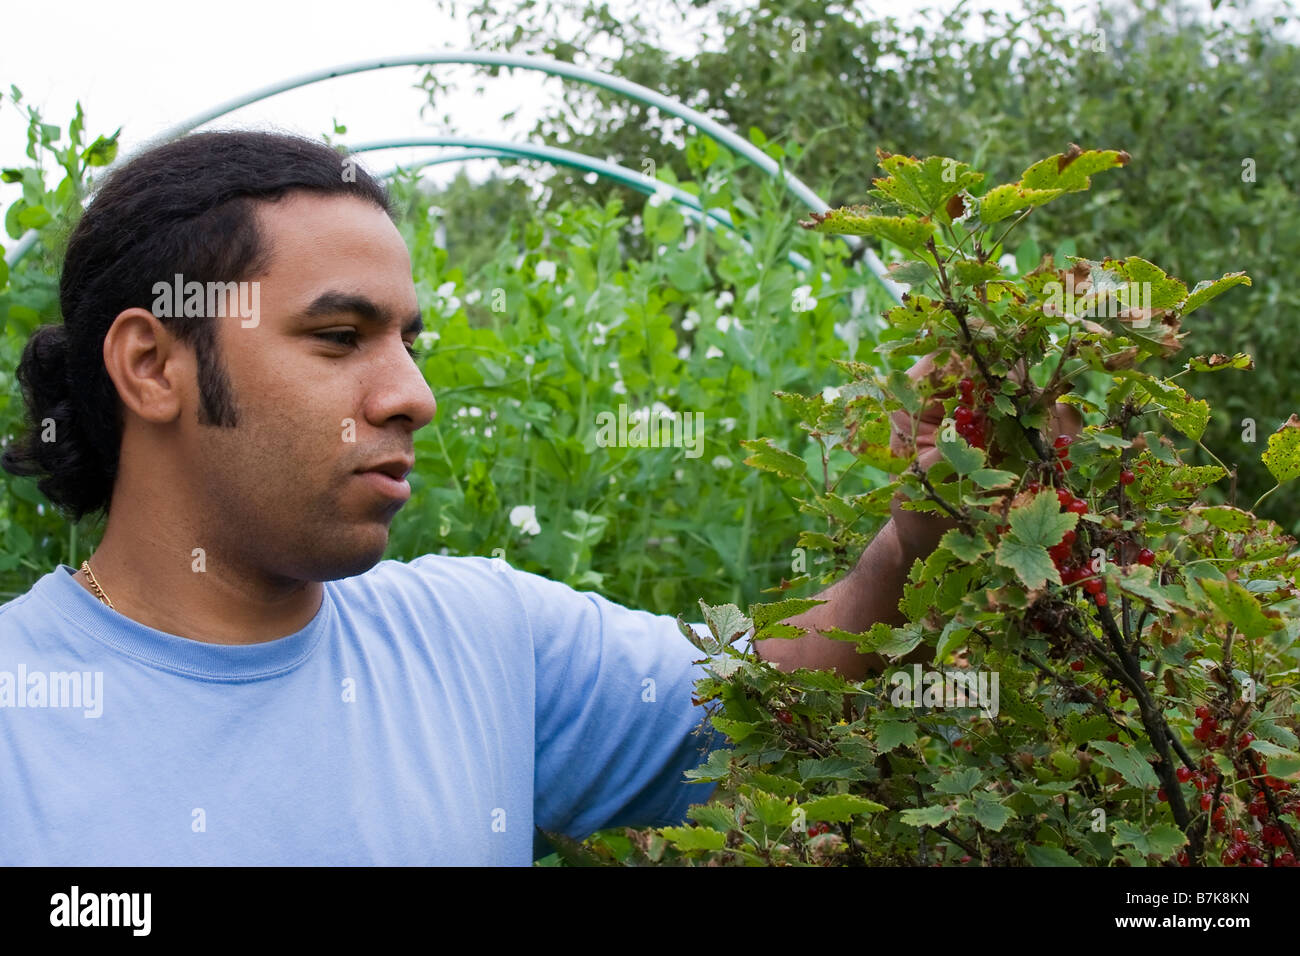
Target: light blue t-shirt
429,714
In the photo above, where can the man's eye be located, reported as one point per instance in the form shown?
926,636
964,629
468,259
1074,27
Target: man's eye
342,337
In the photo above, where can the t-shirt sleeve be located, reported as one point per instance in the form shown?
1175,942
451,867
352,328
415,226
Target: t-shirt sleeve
616,726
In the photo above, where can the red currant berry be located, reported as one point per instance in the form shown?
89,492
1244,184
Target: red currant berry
1183,774
1069,537
1063,441
1206,800
1202,711
963,415
1078,506
1146,556
1101,600
1162,796
784,716
1076,665
1127,477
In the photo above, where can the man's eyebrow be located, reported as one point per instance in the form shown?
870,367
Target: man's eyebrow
336,303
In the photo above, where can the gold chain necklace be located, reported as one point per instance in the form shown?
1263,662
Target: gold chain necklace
94,585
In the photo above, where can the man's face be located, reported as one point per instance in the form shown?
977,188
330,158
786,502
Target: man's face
323,387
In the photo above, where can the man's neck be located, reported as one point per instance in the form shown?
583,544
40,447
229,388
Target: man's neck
202,597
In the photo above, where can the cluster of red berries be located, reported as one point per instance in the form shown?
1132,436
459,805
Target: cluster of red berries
971,421
1062,463
1240,851
817,829
1070,572
1207,731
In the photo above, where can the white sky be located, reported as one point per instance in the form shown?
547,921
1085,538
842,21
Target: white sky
148,64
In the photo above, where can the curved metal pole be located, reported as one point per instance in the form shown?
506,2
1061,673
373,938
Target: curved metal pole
615,84
711,218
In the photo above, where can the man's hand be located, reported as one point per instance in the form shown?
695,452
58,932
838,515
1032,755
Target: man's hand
921,531
871,591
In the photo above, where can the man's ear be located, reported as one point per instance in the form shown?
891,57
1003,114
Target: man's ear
144,360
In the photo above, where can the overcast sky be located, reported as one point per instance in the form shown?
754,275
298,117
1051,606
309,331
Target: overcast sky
146,65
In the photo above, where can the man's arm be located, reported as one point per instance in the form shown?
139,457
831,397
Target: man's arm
867,594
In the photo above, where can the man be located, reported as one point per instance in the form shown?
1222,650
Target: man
235,677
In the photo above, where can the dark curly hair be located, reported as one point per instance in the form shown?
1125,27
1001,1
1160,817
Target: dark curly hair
186,207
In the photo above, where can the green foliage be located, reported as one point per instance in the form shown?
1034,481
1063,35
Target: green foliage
1178,620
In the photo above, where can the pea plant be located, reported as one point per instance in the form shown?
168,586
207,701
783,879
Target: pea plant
1096,667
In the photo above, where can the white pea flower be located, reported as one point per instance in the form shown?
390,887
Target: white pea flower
475,411
660,410
713,352
684,352
599,330
426,339
473,295
529,360
691,321
614,365
678,475
721,461
524,517
1008,263
724,299
545,270
618,388
487,432
729,424
568,302
446,289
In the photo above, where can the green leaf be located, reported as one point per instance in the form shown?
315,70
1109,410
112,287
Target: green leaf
963,457
1001,201
904,232
993,478
695,838
1139,583
894,733
1189,415
1031,562
1040,520
770,458
1161,839
965,547
1071,171
765,614
923,186
927,816
1126,762
726,622
1240,607
736,730
1049,856
1216,362
1206,290
991,814
713,815
958,781
840,807
830,768
1165,292
1283,455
